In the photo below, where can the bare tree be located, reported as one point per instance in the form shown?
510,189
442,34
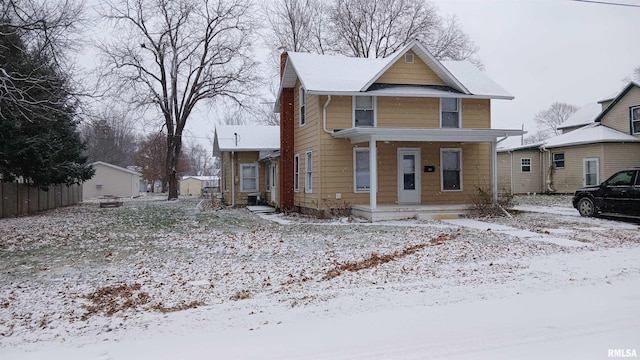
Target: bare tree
110,137
556,114
635,76
200,160
296,25
172,55
536,137
48,31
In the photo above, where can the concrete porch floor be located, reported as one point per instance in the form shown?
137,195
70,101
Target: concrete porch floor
401,212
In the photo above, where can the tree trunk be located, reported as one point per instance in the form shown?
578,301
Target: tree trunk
174,145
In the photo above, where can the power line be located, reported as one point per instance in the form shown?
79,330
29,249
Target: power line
608,3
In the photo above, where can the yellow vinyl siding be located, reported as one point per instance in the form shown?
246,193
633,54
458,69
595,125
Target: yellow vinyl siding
504,171
510,172
339,112
566,180
247,157
408,112
618,157
191,187
417,73
618,117
307,138
476,113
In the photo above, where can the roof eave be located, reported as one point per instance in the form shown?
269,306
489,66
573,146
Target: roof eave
397,94
359,135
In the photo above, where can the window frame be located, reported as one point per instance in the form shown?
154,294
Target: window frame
356,189
633,120
308,172
442,169
459,112
584,171
374,105
296,173
302,104
555,162
523,165
256,178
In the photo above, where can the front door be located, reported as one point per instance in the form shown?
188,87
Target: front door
408,176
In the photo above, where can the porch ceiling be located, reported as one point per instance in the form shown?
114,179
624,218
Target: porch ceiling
362,134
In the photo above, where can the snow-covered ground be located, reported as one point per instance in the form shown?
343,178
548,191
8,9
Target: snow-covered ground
170,280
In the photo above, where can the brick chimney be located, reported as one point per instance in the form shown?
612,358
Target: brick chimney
286,141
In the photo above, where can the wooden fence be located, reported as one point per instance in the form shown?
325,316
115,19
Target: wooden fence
21,199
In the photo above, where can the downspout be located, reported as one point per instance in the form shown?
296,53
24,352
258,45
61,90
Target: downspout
233,178
511,171
324,115
548,180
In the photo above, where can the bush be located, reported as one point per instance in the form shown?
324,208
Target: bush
482,202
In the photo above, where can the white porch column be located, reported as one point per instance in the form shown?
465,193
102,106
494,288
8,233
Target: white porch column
494,170
373,173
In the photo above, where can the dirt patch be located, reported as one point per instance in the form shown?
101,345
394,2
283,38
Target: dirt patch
112,299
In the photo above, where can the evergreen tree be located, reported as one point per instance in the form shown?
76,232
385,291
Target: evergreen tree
39,141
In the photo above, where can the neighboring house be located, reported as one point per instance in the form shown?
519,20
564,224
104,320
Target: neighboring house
111,180
385,137
197,185
597,141
249,162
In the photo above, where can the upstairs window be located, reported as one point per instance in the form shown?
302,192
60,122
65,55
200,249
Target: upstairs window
525,165
363,113
449,113
635,120
558,160
303,107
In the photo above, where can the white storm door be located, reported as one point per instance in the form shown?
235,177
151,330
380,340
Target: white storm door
409,176
273,178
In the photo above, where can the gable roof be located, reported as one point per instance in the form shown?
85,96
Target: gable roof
341,75
583,116
617,99
116,167
589,134
246,138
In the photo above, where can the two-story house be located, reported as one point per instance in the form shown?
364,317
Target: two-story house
596,141
388,138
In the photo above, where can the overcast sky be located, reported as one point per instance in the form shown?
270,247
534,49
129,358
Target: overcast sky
543,51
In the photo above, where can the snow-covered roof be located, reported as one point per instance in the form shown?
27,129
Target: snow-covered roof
246,138
532,146
616,99
200,178
585,115
589,134
337,74
116,167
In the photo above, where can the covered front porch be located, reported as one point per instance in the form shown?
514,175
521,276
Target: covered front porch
425,187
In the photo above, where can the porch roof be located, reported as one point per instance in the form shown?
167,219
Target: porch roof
362,134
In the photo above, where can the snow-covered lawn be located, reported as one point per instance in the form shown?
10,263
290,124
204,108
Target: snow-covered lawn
135,281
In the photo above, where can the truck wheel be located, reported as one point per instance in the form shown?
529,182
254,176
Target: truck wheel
586,207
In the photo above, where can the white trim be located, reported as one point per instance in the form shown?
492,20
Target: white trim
459,111
257,177
302,103
308,172
364,134
553,160
296,173
459,151
584,171
355,181
374,104
522,165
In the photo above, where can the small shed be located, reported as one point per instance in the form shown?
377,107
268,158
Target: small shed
111,180
197,185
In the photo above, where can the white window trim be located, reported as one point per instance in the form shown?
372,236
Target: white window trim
302,103
308,172
296,173
632,120
584,170
242,189
443,150
522,165
355,183
553,160
459,113
374,101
